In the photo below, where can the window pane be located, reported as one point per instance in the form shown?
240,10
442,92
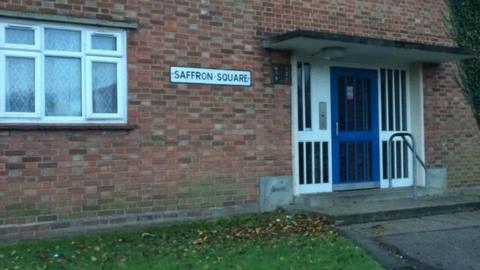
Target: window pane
63,87
104,42
20,35
20,84
62,40
104,87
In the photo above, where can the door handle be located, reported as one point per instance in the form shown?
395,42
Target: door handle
336,128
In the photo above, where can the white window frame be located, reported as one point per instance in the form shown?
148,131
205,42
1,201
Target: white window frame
86,56
64,53
67,54
89,93
36,37
118,39
38,85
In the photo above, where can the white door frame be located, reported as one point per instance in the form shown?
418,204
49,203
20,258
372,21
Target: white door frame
320,78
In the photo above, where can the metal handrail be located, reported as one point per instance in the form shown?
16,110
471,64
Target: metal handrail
419,159
413,148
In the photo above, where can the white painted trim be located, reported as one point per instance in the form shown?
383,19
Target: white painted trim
2,33
89,86
317,64
419,133
124,103
2,83
294,99
63,53
320,83
119,57
385,135
38,81
118,39
24,47
422,154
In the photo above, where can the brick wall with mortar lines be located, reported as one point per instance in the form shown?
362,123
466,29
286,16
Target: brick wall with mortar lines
451,133
195,146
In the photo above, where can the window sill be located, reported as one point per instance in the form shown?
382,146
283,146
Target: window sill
60,127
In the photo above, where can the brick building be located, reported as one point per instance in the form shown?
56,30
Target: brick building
96,131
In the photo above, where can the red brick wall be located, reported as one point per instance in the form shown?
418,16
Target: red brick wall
452,135
195,146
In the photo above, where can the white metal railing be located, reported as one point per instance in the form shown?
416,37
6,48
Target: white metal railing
413,147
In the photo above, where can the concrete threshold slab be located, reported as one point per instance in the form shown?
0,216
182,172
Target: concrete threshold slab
351,212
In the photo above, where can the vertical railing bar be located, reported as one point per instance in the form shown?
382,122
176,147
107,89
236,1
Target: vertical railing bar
305,163
418,158
389,160
414,165
313,163
347,162
365,161
314,176
320,160
345,117
307,86
354,114
364,109
355,161
325,148
304,98
387,103
300,97
395,162
400,102
401,158
414,168
405,100
394,99
382,100
301,175
369,158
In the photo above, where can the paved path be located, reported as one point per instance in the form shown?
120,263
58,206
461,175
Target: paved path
450,241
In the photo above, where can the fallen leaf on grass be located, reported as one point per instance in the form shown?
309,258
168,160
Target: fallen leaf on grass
145,234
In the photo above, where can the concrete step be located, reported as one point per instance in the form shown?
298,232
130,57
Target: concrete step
356,196
352,212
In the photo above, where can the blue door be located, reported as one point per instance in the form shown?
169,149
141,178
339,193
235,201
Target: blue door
355,131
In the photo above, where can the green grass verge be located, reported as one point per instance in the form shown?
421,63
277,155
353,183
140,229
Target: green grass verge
261,241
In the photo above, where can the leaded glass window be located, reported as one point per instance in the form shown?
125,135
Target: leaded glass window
51,73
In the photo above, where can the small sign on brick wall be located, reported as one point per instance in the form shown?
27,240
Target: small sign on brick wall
210,76
281,74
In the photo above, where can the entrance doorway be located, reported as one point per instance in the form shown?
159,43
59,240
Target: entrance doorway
355,131
343,115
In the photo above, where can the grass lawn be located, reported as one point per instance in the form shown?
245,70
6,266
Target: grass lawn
259,241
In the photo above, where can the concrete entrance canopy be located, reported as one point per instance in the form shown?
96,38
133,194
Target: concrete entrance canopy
363,49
